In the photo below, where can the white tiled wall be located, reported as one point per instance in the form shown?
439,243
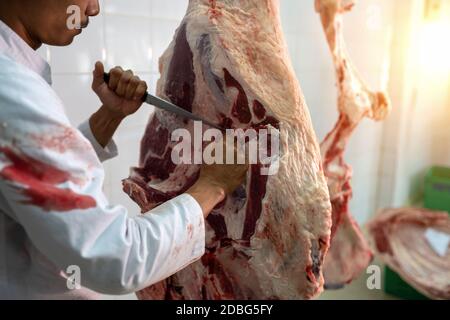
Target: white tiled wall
417,134
366,30
133,34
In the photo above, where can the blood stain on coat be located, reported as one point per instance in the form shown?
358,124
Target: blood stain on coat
40,180
190,229
59,142
176,251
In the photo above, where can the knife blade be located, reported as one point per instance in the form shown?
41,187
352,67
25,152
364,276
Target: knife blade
170,107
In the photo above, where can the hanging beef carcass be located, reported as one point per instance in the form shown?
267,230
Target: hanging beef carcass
229,63
349,253
414,242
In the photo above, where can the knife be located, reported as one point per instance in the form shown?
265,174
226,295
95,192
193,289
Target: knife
168,106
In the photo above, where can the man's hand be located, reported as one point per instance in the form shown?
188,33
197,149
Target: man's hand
218,180
121,98
123,95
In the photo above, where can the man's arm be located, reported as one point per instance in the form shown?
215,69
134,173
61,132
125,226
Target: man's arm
207,195
103,125
104,153
53,184
218,180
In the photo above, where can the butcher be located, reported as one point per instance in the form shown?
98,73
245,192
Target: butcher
60,237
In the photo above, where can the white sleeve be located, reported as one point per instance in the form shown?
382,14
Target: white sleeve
52,180
104,154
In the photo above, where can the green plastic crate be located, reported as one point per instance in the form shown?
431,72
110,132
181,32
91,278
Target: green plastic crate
436,197
437,189
396,286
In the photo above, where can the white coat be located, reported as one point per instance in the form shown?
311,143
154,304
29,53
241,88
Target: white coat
54,218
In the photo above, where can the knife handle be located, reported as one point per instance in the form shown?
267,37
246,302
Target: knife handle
106,78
